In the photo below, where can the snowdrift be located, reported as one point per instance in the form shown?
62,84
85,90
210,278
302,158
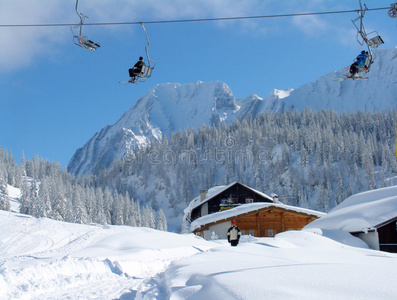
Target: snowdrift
46,259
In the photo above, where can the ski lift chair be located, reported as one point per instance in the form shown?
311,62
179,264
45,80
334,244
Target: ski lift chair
78,38
375,41
393,10
85,43
146,71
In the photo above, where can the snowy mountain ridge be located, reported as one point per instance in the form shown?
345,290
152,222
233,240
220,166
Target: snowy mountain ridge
164,109
171,107
377,92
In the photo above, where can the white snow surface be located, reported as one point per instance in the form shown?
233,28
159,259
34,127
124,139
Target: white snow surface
361,212
14,195
47,259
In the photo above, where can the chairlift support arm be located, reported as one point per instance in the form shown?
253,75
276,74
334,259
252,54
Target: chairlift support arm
78,38
81,16
146,70
148,44
361,29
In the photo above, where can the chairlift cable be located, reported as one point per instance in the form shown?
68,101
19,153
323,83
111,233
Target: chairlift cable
193,20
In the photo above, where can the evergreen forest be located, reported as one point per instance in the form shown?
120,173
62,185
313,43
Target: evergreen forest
309,159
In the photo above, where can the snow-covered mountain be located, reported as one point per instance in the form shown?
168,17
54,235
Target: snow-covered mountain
172,107
164,109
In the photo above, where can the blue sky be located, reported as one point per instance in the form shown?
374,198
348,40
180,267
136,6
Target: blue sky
54,96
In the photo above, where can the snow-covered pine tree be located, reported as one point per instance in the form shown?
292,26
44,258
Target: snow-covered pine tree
43,206
161,221
107,205
99,210
4,199
34,197
78,207
117,209
148,217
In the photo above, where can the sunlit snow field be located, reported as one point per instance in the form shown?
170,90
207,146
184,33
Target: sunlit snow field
46,259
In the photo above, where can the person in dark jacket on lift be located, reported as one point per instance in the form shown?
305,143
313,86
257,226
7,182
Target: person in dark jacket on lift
136,70
233,234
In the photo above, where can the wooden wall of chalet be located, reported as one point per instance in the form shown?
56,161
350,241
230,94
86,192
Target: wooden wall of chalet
238,191
269,223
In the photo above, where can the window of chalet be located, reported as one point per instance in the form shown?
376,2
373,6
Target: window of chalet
249,200
228,203
270,232
251,233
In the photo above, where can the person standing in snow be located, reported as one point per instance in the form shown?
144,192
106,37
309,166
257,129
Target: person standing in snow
233,234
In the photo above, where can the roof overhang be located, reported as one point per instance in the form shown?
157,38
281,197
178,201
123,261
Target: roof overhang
238,212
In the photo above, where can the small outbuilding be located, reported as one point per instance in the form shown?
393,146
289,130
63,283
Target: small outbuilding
370,216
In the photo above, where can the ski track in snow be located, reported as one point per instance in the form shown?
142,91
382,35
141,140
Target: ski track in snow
60,263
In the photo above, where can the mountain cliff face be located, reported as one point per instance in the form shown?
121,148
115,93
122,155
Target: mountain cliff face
172,107
164,109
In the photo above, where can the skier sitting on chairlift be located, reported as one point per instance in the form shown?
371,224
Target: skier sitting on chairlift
136,70
360,62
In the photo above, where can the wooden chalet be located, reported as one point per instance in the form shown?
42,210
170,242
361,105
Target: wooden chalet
257,219
256,213
370,216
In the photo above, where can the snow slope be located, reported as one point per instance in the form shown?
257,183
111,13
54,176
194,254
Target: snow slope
172,107
46,259
14,195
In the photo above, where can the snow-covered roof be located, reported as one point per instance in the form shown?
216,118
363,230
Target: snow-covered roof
248,208
212,192
361,212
